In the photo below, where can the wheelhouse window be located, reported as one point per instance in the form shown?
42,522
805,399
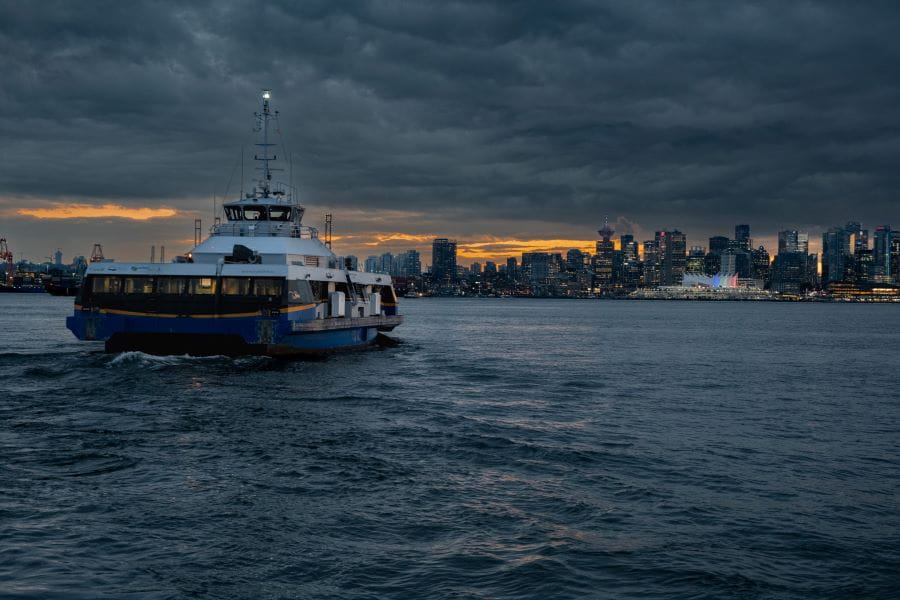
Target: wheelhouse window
106,285
255,213
201,286
236,286
267,286
138,285
280,213
171,285
234,213
300,292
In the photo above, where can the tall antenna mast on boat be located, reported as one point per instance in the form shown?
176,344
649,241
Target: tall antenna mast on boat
262,124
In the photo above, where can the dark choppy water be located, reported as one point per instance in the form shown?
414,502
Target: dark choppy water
507,449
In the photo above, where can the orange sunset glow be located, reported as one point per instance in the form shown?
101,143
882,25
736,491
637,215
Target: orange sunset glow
90,211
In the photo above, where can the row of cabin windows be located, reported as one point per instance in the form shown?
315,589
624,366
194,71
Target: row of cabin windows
258,213
192,286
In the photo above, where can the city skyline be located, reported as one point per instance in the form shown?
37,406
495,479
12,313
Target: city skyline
478,249
504,129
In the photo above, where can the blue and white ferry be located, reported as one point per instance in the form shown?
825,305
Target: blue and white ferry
261,283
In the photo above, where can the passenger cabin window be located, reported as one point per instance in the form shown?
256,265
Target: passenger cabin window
171,285
106,285
254,213
267,286
280,213
201,286
138,285
236,286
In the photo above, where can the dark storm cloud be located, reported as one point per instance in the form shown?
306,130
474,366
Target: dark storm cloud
486,115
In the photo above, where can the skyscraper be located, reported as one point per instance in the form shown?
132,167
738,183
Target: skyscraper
575,260
718,244
672,247
604,260
736,261
475,268
742,236
787,241
387,264
881,253
835,251
761,264
629,247
652,264
443,261
410,264
371,264
512,268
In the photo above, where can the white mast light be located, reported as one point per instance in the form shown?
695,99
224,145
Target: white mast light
267,94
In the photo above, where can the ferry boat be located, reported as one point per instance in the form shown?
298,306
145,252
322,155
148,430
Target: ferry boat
261,283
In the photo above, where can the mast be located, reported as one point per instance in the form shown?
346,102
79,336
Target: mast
262,124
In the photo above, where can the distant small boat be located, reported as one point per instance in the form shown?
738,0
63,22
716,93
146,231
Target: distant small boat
62,286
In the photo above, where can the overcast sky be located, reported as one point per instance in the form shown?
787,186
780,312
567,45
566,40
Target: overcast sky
507,125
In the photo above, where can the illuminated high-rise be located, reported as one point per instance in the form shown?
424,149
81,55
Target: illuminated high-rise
672,248
443,261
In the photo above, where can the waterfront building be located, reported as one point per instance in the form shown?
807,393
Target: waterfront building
409,263
789,272
835,250
736,261
490,267
475,268
351,262
881,254
541,270
652,266
863,266
812,271
696,260
387,264
443,261
672,245
372,264
761,265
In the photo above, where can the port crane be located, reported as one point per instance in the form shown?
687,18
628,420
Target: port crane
7,257
97,253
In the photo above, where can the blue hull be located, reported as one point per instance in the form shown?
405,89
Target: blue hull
274,336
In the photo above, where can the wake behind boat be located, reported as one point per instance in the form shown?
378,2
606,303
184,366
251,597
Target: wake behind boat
261,283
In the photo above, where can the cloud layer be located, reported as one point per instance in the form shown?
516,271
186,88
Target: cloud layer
477,120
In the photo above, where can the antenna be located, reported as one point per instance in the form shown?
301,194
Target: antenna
329,224
198,226
162,254
153,254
